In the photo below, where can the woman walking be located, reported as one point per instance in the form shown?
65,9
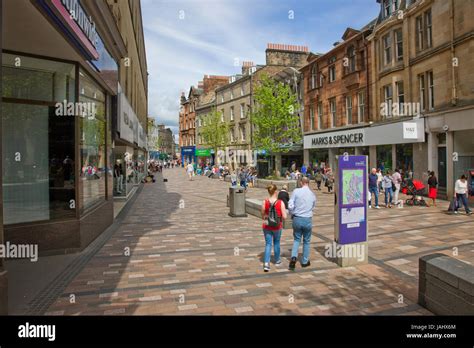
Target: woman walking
460,189
273,213
387,187
433,188
397,180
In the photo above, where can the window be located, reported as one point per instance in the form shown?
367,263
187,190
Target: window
399,44
400,97
388,98
424,31
222,115
428,28
361,106
349,109
311,118
421,86
320,115
242,110
222,97
352,59
232,138
430,90
321,78
332,73
362,60
387,49
313,77
199,122
242,133
231,94
92,145
242,90
332,108
387,8
231,113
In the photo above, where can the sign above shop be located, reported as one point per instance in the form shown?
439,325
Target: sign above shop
409,130
391,133
75,23
203,152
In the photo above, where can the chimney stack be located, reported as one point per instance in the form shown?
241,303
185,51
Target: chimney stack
246,67
286,55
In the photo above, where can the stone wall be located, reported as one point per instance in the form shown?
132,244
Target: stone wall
446,285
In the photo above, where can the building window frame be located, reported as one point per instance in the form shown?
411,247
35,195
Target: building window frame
360,106
348,109
333,111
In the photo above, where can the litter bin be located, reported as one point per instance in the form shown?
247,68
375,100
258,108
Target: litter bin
237,201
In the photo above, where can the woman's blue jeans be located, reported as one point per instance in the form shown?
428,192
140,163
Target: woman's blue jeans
272,237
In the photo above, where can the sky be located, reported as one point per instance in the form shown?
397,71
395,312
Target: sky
187,39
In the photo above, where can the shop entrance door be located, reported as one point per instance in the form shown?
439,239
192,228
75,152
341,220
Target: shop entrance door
442,168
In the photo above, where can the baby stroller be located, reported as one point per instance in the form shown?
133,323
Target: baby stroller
415,189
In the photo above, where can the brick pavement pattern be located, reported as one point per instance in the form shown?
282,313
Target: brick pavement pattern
177,252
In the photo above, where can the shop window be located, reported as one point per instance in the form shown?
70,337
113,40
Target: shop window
92,146
37,139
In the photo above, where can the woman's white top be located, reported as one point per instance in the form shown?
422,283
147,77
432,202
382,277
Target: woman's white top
460,187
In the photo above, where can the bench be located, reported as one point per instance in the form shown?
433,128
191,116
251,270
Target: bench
446,285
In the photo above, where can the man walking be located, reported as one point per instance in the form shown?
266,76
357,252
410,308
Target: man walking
373,186
301,206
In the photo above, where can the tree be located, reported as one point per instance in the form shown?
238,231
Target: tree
275,116
215,133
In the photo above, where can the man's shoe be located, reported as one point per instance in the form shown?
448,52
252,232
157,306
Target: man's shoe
377,207
266,267
278,263
292,264
306,264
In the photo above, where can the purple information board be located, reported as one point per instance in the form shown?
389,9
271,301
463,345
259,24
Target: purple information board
352,199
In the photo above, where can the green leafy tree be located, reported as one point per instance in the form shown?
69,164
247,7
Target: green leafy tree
275,116
215,133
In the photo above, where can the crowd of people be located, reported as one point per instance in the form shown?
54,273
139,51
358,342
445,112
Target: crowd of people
244,176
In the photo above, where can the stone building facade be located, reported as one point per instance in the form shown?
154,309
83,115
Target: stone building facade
336,96
422,60
235,100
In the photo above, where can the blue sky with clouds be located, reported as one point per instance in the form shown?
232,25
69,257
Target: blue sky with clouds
186,39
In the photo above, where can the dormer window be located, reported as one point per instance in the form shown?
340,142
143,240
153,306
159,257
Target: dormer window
387,8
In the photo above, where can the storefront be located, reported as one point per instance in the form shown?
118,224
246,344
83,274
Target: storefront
204,156
188,155
56,117
451,147
388,146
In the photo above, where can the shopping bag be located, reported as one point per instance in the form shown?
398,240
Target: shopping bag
453,205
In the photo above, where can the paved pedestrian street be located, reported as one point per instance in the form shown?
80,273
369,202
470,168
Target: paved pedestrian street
177,252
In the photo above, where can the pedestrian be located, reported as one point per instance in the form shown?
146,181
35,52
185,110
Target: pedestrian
293,166
432,188
379,179
387,188
303,170
318,177
273,213
373,187
330,181
397,180
460,193
301,205
284,196
190,170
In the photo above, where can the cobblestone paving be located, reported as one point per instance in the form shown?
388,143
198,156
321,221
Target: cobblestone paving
188,257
